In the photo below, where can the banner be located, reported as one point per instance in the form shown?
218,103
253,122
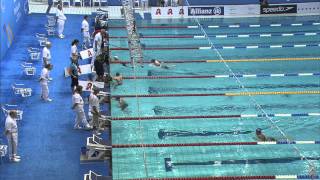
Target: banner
308,8
236,10
279,9
12,14
168,12
206,11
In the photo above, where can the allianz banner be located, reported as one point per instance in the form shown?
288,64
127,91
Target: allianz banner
279,9
206,11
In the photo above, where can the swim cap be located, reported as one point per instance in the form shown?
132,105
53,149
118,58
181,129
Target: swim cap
258,130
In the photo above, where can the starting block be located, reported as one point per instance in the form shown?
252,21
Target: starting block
51,20
51,30
94,176
96,150
8,107
42,38
34,53
28,69
19,89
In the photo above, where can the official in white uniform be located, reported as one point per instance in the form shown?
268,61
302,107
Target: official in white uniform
85,29
97,44
94,109
44,78
11,131
77,106
46,54
61,18
74,53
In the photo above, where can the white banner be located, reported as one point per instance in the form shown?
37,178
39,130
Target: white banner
168,12
88,85
308,8
236,10
85,54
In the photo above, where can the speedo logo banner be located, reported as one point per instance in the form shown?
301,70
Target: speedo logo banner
279,9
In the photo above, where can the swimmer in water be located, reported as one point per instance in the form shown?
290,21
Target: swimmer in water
261,137
122,103
118,79
157,63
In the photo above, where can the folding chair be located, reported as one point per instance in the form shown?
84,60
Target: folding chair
42,38
20,89
28,69
96,1
51,30
34,53
8,107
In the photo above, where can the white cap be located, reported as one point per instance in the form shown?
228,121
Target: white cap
48,43
115,57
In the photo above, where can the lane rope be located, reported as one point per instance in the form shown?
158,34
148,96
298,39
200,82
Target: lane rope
221,94
224,76
215,116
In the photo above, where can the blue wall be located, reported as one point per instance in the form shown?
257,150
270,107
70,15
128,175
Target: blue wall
12,14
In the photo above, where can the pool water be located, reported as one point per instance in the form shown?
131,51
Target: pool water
226,160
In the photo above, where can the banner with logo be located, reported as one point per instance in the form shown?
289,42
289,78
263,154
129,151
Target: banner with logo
12,13
168,12
206,11
279,9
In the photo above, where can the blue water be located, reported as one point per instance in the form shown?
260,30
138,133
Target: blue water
150,162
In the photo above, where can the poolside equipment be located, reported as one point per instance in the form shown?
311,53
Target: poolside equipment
28,69
94,176
20,89
42,38
51,20
97,149
8,107
51,30
34,53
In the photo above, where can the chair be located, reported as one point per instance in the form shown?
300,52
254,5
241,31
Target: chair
96,1
34,53
8,107
136,3
77,1
66,2
20,89
28,69
42,38
102,2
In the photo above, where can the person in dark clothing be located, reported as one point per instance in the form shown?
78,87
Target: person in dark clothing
74,73
99,68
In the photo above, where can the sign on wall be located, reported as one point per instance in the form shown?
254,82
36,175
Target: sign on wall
236,10
279,9
205,11
308,8
168,12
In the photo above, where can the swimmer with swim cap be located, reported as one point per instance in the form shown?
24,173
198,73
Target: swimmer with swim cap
262,137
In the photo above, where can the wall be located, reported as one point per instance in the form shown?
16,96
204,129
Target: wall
11,16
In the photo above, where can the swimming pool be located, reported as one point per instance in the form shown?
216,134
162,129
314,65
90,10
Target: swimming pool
198,118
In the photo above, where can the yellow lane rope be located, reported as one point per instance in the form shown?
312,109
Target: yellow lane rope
267,59
271,93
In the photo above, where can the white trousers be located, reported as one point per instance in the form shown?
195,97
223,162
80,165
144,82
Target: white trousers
44,91
60,26
12,144
80,118
86,39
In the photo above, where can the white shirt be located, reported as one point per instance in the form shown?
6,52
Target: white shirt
94,101
74,50
44,76
11,125
76,98
46,53
97,43
60,15
85,26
